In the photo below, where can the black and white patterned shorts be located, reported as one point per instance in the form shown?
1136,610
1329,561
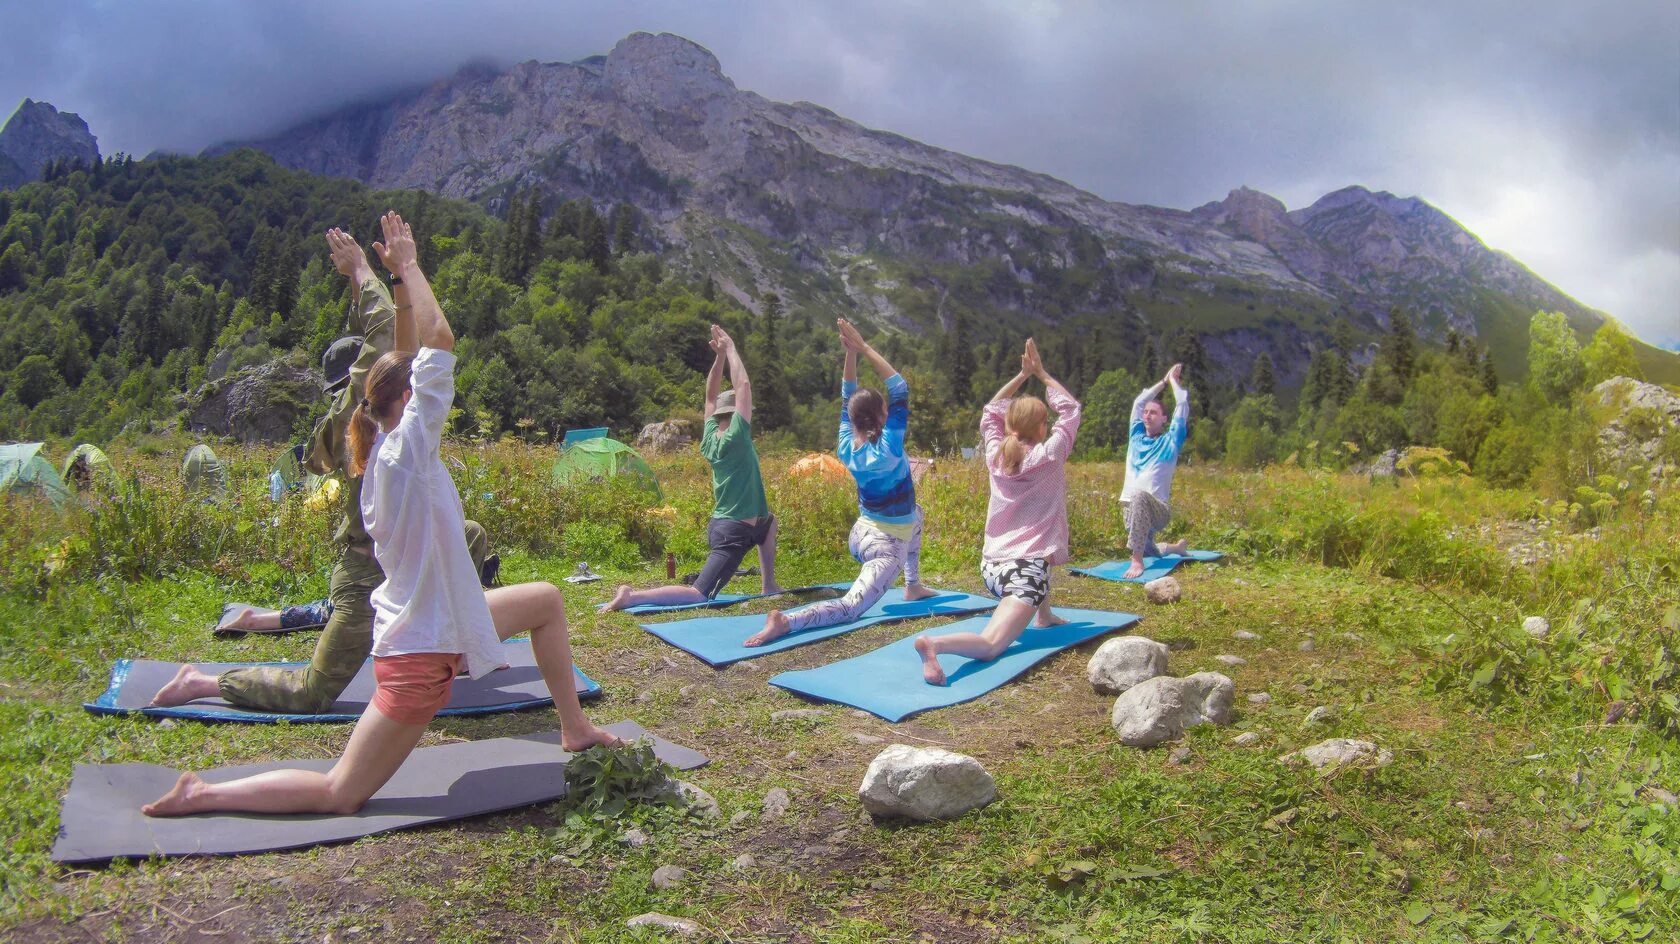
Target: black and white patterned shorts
1027,580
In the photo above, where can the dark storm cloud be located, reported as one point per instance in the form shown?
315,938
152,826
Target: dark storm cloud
1552,130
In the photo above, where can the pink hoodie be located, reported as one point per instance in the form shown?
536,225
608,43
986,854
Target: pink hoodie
1027,516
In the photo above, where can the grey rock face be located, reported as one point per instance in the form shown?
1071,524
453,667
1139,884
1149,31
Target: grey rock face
1337,752
669,436
1163,708
924,783
1636,418
36,134
1120,663
260,404
1163,590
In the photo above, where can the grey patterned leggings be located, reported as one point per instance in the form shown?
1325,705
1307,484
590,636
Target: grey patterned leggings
882,557
1145,515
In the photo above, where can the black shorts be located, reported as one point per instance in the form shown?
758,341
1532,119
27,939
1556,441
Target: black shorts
730,540
1027,580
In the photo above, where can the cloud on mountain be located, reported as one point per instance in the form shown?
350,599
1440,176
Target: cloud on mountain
1550,129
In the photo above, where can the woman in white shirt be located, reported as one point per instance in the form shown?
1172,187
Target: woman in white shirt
431,619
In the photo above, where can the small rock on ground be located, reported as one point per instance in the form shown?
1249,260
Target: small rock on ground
1306,645
634,838
1230,660
740,817
1163,708
795,714
698,800
654,919
1163,590
1120,663
1245,635
668,875
744,863
1537,626
1337,752
867,739
776,802
1260,698
1179,757
1323,714
1245,739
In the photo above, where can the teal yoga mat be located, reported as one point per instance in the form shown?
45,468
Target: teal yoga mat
722,600
716,640
1153,567
888,682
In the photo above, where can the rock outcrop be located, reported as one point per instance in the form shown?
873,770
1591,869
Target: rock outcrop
260,404
1636,420
669,436
38,134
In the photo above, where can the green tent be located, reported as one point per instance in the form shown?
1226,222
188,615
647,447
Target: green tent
596,459
24,471
202,471
86,466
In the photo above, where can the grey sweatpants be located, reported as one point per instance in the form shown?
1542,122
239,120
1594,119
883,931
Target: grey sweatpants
882,557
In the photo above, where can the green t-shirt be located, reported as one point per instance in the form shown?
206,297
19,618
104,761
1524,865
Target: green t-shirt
737,486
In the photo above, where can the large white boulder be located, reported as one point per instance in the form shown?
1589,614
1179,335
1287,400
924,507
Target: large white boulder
924,783
1125,661
1163,708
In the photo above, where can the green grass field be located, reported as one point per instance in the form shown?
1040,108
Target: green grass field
1512,811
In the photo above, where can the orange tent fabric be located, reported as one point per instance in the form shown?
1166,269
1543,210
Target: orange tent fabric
819,464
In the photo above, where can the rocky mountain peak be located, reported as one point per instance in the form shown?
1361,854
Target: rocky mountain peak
665,71
38,133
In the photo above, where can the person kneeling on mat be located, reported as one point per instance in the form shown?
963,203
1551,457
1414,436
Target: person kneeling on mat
348,635
1026,519
741,518
431,619
1151,458
887,537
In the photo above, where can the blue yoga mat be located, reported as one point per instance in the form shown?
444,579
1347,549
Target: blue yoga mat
1153,567
520,685
716,640
721,600
888,682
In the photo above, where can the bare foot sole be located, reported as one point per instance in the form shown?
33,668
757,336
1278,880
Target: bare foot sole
591,737
620,599
775,627
187,796
187,685
918,592
931,672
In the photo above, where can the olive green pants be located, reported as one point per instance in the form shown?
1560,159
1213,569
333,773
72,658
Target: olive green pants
345,642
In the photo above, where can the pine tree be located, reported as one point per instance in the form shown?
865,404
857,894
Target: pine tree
1399,347
1490,377
1262,381
592,232
624,228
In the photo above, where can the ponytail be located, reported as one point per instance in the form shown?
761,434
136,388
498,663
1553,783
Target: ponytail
868,413
386,384
1025,424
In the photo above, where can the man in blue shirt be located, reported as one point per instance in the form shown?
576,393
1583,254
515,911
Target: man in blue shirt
1151,458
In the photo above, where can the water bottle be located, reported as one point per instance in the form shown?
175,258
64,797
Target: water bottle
276,486
670,566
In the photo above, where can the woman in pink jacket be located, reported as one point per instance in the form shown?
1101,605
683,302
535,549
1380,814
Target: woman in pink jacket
1026,522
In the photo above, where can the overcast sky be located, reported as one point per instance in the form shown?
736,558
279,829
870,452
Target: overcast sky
1551,129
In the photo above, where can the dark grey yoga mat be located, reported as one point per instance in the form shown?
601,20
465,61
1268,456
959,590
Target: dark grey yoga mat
101,819
231,610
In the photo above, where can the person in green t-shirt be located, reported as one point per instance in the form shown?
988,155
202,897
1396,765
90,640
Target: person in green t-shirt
741,518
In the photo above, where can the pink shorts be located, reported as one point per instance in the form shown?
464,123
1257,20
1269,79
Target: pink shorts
412,687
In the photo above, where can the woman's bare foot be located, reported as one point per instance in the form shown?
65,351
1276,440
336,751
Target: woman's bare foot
583,738
1175,549
187,685
771,589
246,620
1135,569
1047,618
930,661
917,591
187,796
775,627
621,599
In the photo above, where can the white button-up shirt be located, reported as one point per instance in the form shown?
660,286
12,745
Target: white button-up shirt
431,600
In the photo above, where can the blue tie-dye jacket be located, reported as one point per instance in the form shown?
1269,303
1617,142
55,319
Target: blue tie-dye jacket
885,490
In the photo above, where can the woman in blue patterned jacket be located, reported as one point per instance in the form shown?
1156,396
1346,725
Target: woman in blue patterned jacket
887,537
